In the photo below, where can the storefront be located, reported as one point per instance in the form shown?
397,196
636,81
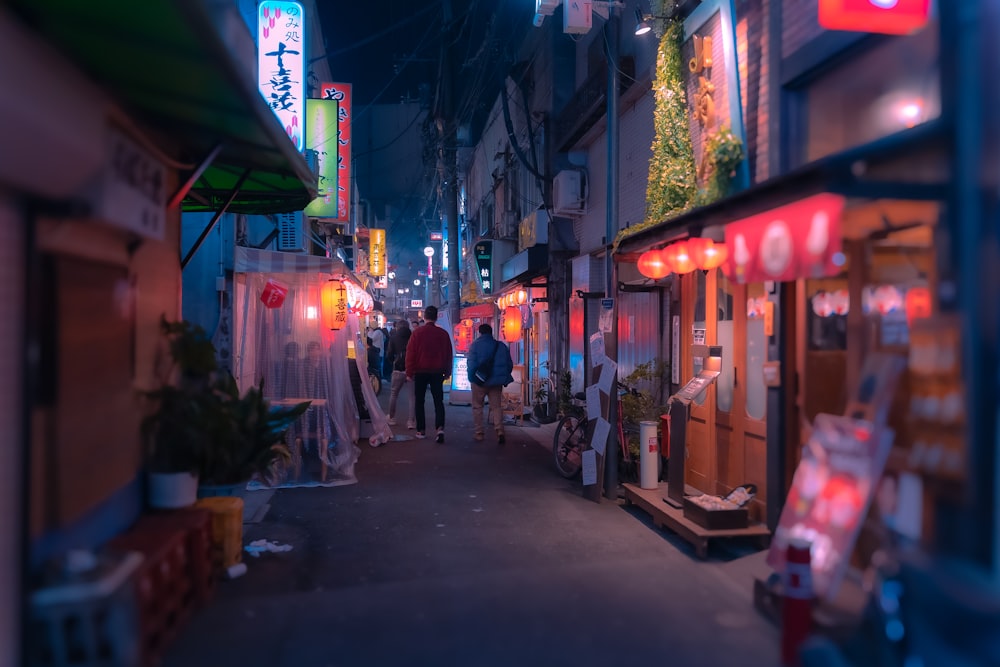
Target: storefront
851,258
113,131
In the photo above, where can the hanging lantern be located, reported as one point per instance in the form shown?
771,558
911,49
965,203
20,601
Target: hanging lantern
512,324
918,304
681,261
651,265
463,336
333,304
522,296
706,253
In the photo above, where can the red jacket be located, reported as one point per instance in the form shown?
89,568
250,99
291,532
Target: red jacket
429,351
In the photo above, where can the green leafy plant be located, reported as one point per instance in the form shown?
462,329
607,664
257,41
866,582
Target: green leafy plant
564,393
724,150
650,380
199,423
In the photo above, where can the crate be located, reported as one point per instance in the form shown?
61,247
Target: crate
196,525
88,621
227,528
165,591
716,519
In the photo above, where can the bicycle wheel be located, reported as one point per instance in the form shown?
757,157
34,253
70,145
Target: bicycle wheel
567,446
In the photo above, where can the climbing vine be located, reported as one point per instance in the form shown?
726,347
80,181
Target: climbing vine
673,188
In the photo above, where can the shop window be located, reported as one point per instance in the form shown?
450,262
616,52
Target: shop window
828,303
724,337
756,401
698,329
888,88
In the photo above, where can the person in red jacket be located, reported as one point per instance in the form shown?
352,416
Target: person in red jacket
428,362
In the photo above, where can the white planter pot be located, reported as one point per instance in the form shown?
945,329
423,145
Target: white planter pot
172,490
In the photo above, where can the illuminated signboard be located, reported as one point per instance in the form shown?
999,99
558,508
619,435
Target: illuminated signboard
281,64
460,373
376,252
890,17
322,127
416,303
341,92
484,265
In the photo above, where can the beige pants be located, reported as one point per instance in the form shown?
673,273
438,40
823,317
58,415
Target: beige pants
496,409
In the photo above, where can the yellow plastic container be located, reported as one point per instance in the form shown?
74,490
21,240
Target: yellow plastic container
227,529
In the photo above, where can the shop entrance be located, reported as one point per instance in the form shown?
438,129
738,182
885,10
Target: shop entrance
727,442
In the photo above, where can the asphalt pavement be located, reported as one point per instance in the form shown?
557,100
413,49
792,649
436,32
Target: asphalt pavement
473,554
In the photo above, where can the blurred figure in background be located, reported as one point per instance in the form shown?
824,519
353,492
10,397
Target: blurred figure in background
396,358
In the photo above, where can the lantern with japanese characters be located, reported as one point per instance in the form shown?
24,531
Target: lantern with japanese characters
512,324
333,304
463,336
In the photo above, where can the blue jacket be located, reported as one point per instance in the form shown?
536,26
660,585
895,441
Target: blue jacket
480,351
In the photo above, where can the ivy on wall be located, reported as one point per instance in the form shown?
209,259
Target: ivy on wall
672,188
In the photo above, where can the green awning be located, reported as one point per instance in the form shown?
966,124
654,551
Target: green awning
185,70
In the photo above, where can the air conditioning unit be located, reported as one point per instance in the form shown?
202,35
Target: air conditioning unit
569,193
546,7
292,232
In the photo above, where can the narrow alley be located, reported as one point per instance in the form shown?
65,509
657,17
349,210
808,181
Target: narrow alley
470,553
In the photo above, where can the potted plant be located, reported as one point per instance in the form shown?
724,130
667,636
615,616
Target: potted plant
201,434
248,440
174,430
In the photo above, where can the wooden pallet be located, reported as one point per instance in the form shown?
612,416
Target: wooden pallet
664,515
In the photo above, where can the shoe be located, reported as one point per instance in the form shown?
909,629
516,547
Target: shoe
411,425
392,421
420,435
440,435
478,437
500,439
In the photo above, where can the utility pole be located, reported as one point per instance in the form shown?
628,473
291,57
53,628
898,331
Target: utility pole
611,33
449,150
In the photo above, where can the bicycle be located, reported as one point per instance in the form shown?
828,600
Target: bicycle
571,438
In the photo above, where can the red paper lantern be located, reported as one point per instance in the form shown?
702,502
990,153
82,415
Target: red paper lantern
707,254
918,304
333,304
273,294
651,265
463,337
680,258
512,324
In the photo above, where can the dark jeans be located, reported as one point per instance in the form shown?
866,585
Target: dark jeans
420,383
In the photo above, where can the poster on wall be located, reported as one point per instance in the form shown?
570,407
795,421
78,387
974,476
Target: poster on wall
832,490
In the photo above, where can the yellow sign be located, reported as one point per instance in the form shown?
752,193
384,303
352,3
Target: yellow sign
376,252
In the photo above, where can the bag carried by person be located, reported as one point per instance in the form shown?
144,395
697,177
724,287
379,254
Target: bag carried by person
485,369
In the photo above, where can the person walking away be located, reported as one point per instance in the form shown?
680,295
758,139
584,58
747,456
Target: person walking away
379,340
490,370
428,361
396,354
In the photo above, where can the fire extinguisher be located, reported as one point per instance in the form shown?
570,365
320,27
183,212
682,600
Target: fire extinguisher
797,605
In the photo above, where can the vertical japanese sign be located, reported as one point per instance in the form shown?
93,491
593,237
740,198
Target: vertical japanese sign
281,64
376,252
484,265
341,92
322,127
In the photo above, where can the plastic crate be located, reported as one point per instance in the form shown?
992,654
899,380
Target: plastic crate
227,528
89,621
196,525
165,590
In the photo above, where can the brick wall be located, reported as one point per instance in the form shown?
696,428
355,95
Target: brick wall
799,24
753,50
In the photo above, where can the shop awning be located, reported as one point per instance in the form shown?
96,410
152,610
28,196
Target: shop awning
185,69
891,168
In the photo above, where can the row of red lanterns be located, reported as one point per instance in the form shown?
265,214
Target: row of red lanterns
682,257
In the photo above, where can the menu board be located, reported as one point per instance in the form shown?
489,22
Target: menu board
831,493
697,384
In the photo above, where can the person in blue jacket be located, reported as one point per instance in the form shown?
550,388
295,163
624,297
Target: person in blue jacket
490,368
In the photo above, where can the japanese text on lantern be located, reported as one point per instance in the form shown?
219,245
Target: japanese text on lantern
281,63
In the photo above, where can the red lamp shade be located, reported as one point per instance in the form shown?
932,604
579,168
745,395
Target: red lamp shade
919,304
680,258
333,304
651,265
706,253
512,324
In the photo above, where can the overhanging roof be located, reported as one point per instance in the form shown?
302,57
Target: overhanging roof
891,170
185,69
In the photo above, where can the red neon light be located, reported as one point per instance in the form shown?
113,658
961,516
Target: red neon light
890,17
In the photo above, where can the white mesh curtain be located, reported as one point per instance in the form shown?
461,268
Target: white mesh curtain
301,360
